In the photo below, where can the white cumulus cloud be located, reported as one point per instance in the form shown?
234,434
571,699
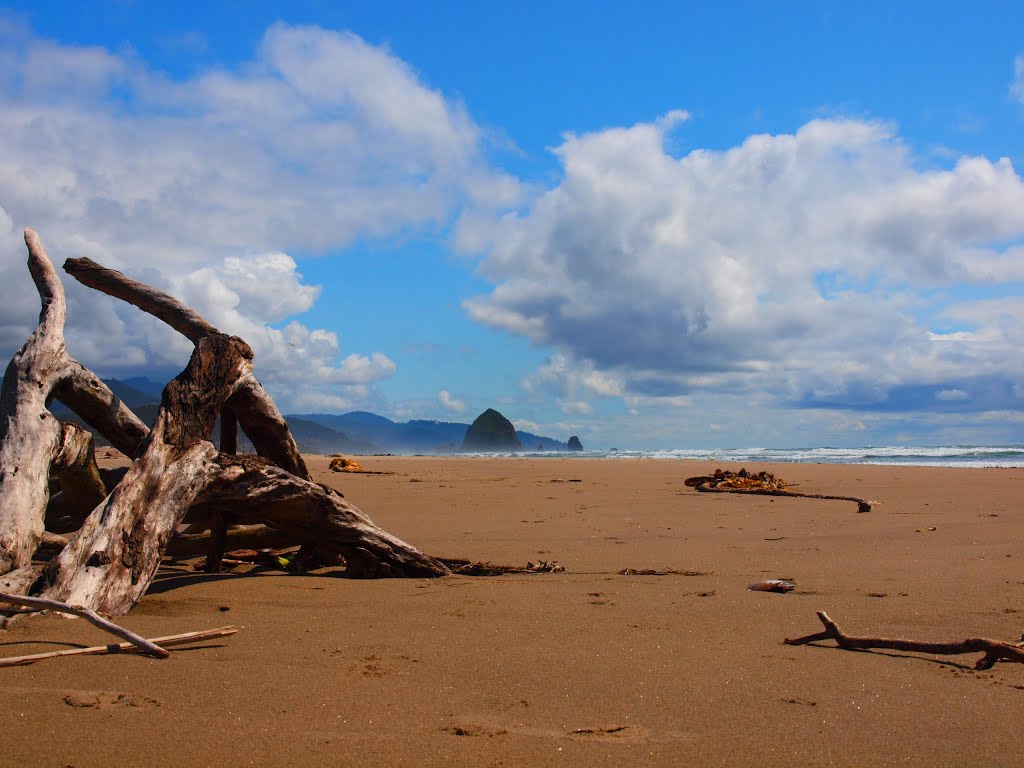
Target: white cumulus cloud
812,266
204,185
451,403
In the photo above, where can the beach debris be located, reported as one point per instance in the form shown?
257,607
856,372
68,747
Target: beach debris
463,567
122,532
772,585
740,480
761,484
344,464
184,638
598,731
925,530
663,572
992,650
273,558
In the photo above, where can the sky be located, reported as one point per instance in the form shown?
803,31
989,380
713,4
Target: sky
653,225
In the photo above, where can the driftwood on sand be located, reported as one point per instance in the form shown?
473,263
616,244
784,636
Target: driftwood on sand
94,650
110,560
992,650
760,484
42,604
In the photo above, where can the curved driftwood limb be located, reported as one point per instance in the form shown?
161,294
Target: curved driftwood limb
43,604
264,425
29,434
992,650
84,393
164,642
256,412
256,490
32,442
157,303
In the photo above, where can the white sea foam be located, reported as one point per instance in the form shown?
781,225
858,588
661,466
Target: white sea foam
944,456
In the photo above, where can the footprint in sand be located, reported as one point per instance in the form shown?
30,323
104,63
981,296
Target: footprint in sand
104,699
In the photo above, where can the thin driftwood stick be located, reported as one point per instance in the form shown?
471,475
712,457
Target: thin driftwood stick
993,650
44,604
164,642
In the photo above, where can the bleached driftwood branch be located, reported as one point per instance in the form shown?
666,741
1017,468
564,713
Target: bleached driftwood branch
163,642
993,650
43,604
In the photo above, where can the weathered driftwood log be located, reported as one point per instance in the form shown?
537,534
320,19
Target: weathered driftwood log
33,442
993,650
256,490
30,437
110,562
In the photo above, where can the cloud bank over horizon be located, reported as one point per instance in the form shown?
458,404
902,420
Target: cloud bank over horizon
827,273
822,268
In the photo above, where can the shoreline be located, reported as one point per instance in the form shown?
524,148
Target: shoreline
584,667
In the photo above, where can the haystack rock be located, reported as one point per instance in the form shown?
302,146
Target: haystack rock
575,444
491,432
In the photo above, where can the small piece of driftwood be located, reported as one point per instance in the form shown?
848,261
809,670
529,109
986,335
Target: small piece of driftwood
165,642
44,604
993,650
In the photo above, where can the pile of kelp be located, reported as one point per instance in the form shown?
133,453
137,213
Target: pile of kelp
760,483
742,480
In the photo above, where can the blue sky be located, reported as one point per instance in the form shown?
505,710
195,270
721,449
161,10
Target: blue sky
717,224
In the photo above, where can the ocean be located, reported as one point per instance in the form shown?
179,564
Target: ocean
938,456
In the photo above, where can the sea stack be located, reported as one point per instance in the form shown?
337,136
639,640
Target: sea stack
491,432
575,444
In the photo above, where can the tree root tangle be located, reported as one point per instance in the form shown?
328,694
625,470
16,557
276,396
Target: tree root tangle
117,534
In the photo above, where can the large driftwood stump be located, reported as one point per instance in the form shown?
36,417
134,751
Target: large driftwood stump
111,560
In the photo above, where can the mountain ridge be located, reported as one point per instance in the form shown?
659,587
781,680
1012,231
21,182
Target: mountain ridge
325,433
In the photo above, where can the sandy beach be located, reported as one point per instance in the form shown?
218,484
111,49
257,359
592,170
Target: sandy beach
582,668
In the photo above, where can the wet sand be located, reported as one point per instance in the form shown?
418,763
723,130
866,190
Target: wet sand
587,667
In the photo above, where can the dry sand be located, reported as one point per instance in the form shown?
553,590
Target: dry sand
583,668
